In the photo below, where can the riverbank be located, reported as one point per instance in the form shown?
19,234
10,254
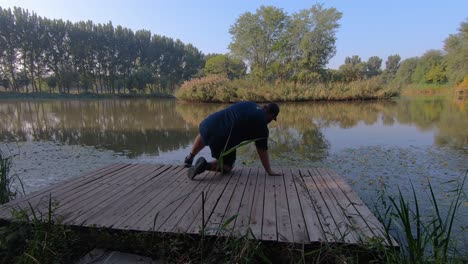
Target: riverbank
44,95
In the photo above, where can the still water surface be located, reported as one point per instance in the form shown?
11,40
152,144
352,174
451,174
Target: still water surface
371,144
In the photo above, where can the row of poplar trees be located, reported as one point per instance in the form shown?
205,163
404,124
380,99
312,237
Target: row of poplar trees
100,58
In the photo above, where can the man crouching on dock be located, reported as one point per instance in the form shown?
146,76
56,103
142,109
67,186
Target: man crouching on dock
226,129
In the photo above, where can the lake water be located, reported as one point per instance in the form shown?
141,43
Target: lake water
372,144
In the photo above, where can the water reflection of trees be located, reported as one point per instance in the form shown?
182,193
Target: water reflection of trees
133,126
448,116
151,126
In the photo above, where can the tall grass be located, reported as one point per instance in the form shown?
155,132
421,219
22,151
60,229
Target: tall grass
39,237
221,89
422,238
6,193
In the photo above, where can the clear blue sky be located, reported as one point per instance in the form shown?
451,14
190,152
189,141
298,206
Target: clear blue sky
368,27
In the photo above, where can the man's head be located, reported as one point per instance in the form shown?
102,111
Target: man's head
272,111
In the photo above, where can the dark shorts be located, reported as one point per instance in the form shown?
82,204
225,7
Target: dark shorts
217,143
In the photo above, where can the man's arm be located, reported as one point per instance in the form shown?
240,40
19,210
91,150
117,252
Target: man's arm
263,154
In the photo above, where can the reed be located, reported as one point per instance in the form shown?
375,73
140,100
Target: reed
220,89
422,238
6,193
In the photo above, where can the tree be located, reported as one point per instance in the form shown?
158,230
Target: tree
405,71
456,47
353,69
392,64
259,38
430,68
87,55
140,78
10,48
225,65
373,66
312,39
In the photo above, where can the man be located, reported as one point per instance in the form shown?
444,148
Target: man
226,129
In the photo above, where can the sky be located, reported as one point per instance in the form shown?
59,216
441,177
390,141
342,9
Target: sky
368,28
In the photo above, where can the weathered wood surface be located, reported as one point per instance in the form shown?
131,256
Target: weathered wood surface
303,206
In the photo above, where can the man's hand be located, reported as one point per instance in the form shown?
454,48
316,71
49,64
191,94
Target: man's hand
263,153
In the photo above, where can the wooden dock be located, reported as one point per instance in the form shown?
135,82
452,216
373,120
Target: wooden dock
304,206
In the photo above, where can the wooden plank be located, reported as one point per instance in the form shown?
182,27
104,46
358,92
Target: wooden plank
357,223
193,223
298,225
269,228
143,206
371,221
256,214
107,201
283,218
185,205
83,203
22,202
241,224
216,216
302,206
164,207
234,205
347,235
72,194
313,207
121,207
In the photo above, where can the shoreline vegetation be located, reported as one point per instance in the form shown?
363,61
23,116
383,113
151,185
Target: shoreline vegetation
82,95
218,89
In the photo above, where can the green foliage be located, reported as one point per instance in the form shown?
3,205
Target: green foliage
225,65
312,39
456,47
141,77
353,69
405,72
430,68
258,38
373,65
278,46
392,64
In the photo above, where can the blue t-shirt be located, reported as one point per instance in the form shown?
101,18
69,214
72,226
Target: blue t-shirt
239,122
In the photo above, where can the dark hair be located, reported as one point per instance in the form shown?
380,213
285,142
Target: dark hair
272,108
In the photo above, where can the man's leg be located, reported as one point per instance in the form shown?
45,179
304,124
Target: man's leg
197,146
228,163
202,165
213,166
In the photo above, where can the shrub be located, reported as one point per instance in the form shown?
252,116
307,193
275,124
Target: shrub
221,89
